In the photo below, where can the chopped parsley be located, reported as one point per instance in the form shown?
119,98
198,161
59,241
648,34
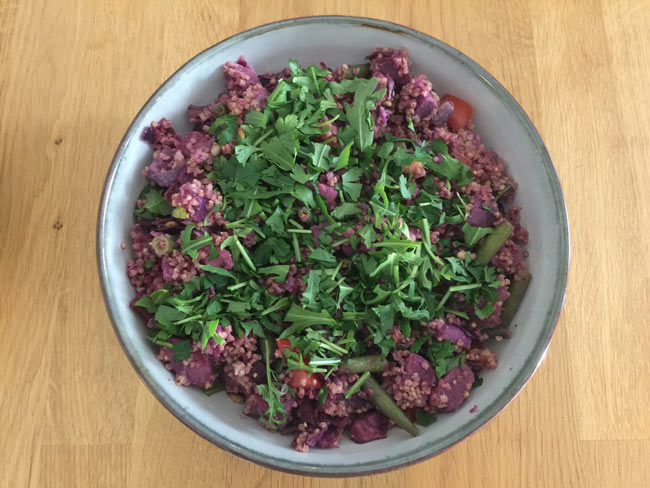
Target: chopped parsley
340,223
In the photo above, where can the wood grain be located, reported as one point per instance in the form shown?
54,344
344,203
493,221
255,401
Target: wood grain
74,73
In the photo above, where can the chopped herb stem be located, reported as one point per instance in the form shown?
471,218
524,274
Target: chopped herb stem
357,385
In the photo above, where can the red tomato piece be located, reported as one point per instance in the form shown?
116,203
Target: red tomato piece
284,344
461,114
299,378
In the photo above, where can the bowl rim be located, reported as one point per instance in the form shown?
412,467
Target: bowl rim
487,414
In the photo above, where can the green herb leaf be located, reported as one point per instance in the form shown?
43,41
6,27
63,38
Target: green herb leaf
182,350
474,234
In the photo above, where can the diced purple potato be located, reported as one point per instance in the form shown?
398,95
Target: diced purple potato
392,63
164,178
240,75
258,373
453,334
224,260
479,216
414,363
308,411
201,211
167,225
196,370
329,438
355,402
452,389
367,427
255,405
442,115
329,193
197,146
425,105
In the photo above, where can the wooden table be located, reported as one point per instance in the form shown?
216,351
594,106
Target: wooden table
74,73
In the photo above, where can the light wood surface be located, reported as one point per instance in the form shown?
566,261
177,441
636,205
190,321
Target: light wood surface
74,73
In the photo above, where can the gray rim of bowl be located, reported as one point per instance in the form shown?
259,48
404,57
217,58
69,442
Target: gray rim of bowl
404,458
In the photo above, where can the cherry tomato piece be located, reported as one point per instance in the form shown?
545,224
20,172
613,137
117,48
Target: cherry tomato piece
461,114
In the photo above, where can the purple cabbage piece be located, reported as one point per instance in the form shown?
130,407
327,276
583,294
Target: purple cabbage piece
452,389
414,363
367,427
442,115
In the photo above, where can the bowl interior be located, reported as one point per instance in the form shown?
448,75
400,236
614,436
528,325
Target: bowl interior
504,127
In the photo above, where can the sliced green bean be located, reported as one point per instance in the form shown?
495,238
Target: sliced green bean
492,243
373,363
517,290
364,71
386,405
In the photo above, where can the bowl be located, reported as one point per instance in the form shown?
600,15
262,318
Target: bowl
504,127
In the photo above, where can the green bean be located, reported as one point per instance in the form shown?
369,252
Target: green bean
517,290
373,363
492,243
364,71
386,405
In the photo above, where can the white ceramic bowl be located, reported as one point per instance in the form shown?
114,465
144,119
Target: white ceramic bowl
504,127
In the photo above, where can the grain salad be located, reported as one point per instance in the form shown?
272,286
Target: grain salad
333,248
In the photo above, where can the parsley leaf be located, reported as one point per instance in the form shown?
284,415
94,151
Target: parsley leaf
181,350
351,189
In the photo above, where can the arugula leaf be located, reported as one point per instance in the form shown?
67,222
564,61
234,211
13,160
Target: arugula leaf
301,319
320,156
407,191
191,247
